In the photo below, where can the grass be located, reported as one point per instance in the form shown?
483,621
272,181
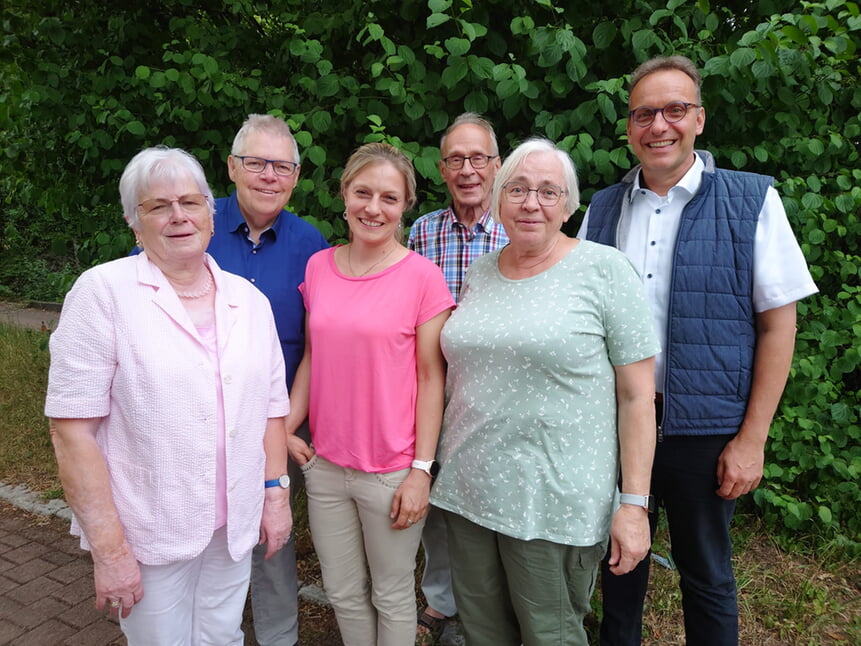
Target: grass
792,592
26,455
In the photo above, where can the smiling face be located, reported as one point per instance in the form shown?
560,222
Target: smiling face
665,150
531,227
469,187
178,235
375,199
263,195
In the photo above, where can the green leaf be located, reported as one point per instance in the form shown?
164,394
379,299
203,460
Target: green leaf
328,85
743,57
454,72
142,72
438,6
605,103
437,19
457,46
136,128
603,34
321,121
317,155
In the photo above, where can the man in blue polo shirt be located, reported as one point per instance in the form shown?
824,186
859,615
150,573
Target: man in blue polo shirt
256,238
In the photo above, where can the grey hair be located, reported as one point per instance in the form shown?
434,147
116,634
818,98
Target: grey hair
474,119
267,124
660,63
518,157
158,163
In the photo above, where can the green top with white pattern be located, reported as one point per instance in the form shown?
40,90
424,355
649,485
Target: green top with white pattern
529,443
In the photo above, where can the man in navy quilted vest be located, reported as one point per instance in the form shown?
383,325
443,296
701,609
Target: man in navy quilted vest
723,272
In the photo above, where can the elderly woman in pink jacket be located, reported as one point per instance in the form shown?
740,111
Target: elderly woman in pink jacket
166,400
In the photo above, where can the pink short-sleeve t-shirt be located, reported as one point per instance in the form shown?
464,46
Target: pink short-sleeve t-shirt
363,358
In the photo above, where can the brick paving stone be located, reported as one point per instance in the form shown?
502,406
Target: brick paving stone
13,540
77,591
7,584
72,571
9,631
69,544
60,558
31,616
26,552
6,565
13,524
82,614
29,570
50,632
103,633
45,535
9,609
33,590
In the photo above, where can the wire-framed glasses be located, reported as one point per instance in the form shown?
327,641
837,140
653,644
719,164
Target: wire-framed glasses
455,162
547,194
191,204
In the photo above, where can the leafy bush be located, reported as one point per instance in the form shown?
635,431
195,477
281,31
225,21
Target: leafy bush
86,85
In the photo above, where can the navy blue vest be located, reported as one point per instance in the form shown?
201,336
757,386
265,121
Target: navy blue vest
711,326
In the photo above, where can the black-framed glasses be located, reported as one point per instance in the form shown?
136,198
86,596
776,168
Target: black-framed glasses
547,194
455,162
191,204
673,112
258,164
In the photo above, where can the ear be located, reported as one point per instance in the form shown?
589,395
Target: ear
701,120
230,168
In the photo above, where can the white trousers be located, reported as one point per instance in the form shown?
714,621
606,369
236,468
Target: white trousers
198,602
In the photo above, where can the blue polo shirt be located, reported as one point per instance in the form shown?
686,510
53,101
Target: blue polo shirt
275,265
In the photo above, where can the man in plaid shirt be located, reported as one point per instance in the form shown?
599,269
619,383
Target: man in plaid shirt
455,236
452,238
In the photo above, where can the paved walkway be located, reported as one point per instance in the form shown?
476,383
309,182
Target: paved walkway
46,585
34,317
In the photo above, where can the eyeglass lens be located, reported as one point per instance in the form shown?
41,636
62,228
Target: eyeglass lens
672,112
455,162
191,204
258,164
548,195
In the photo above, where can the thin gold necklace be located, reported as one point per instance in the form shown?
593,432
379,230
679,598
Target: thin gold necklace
368,270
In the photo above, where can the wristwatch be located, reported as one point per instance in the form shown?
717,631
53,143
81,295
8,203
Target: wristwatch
282,481
430,467
646,502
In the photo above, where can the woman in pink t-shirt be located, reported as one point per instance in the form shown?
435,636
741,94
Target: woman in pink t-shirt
371,382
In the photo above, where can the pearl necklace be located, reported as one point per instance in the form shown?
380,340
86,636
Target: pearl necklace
368,270
200,293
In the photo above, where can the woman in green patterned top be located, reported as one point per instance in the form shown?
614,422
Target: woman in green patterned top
550,389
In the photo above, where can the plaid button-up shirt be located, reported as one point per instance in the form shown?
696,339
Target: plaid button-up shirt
441,238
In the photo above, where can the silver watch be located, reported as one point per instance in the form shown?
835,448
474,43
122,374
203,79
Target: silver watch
647,502
281,481
430,467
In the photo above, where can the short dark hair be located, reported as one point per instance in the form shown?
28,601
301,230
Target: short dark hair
659,63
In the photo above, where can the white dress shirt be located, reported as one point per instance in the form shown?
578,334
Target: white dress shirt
647,235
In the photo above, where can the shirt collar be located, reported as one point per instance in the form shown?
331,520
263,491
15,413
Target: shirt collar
689,184
236,221
484,223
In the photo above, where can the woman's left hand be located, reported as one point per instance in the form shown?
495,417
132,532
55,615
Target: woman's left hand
410,503
277,521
